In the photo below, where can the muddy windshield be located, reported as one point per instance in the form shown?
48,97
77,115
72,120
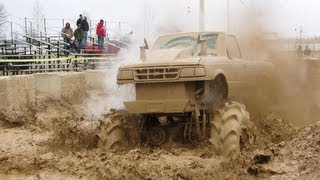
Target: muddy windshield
184,41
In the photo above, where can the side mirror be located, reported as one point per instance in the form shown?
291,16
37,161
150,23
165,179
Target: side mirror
143,54
145,43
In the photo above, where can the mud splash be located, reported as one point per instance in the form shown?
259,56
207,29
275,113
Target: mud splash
59,141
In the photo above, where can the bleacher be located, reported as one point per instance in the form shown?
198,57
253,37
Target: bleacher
28,50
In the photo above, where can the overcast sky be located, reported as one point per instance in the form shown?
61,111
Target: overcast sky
281,16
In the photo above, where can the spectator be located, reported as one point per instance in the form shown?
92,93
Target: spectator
101,32
85,28
299,51
67,34
307,51
79,21
78,36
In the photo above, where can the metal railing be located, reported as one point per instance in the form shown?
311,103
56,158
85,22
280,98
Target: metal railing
78,63
52,27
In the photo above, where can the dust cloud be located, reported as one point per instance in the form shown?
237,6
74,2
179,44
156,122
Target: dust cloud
112,95
291,78
124,92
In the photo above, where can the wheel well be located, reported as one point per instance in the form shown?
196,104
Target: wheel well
212,93
221,79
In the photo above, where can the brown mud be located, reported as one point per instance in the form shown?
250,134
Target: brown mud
55,140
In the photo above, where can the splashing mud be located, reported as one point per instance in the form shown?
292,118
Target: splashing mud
60,142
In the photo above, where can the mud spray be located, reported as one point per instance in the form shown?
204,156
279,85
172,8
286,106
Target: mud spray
112,95
291,87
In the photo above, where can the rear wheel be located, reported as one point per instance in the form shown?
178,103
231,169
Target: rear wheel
157,136
152,133
111,133
226,125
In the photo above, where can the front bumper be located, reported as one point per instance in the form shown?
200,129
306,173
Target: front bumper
158,106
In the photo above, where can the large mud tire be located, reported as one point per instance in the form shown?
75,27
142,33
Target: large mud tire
111,134
226,124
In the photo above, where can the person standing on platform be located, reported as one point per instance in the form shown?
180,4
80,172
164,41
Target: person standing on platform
79,21
78,36
85,28
101,32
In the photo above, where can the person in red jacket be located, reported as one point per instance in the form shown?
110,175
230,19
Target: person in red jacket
101,32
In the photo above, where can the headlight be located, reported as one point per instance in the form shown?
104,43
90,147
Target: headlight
124,75
199,72
192,72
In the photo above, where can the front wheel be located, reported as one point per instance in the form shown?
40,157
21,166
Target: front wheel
226,123
111,133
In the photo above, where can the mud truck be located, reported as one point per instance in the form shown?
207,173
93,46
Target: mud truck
183,87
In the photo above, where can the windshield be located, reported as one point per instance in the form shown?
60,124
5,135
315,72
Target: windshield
184,41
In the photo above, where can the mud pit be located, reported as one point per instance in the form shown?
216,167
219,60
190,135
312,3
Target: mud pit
56,140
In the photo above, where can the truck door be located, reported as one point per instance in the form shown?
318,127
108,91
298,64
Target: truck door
235,64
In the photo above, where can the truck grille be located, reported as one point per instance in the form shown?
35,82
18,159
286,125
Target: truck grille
158,73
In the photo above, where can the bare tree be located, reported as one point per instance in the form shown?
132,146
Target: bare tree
149,18
3,17
38,16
